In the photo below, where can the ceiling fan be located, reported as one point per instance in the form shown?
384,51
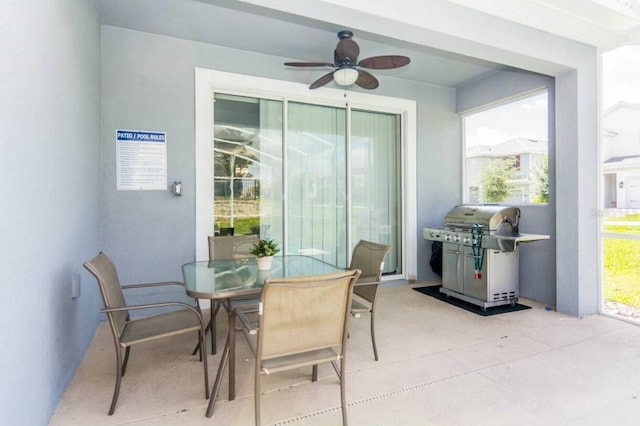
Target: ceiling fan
347,69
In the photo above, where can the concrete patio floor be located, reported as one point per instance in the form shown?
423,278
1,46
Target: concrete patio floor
439,365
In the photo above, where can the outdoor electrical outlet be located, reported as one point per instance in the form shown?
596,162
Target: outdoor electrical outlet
75,286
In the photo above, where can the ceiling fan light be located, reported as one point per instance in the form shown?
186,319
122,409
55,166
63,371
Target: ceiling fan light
345,76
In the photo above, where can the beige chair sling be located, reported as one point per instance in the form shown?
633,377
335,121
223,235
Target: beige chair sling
228,247
128,332
302,322
368,257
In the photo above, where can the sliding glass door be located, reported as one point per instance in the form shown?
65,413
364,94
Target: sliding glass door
315,178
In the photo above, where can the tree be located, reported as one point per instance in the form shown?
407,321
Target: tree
496,177
542,177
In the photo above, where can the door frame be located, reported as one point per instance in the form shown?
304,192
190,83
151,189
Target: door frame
208,81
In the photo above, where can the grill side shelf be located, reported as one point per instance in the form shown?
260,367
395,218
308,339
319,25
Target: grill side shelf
509,243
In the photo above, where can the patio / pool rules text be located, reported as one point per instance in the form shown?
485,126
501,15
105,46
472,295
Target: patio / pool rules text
141,160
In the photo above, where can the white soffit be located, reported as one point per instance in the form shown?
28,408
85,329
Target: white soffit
600,23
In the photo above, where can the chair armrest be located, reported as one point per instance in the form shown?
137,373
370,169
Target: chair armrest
154,305
158,284
246,324
368,281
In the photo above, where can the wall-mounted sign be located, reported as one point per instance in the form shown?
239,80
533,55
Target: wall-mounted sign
141,160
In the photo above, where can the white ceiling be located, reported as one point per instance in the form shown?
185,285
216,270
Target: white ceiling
240,25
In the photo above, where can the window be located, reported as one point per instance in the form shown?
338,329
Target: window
506,153
315,174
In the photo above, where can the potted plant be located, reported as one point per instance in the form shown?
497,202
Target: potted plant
264,250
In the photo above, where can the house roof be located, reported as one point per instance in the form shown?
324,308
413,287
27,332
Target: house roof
635,159
516,146
619,105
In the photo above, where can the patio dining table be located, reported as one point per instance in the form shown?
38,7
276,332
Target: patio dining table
230,278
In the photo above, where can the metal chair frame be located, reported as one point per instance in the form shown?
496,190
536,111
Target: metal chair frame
127,332
227,247
302,322
369,258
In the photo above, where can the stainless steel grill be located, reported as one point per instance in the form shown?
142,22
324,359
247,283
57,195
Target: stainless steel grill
480,253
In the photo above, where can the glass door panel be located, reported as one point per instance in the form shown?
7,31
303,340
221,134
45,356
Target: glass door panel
247,166
316,182
376,183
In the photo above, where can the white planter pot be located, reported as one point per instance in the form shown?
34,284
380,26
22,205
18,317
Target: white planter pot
264,263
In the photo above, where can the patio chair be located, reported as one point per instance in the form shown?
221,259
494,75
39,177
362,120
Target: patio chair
302,322
231,246
226,231
128,332
228,247
369,258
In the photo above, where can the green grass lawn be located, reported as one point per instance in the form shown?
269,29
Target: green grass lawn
243,226
622,262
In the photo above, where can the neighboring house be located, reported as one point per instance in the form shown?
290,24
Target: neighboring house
621,156
528,154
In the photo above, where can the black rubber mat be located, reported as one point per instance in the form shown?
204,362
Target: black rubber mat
434,291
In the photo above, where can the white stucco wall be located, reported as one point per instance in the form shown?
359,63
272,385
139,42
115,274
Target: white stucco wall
49,169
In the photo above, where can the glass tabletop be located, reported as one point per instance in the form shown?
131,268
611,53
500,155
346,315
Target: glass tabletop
220,279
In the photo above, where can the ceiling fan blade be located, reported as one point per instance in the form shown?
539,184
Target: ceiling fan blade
384,62
366,80
322,81
308,64
347,51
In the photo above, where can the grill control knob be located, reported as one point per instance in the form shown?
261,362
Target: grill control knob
466,240
456,238
447,237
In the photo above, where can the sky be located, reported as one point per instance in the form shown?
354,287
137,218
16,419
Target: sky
525,118
621,75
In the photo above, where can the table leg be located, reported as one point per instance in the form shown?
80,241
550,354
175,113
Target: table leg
232,353
216,385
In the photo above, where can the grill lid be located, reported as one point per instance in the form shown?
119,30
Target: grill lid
503,219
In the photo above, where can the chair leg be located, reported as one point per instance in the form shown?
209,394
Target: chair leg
314,373
212,326
373,335
203,357
119,374
126,360
257,395
197,348
343,396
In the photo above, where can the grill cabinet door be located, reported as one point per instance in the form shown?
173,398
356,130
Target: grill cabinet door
452,259
472,286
